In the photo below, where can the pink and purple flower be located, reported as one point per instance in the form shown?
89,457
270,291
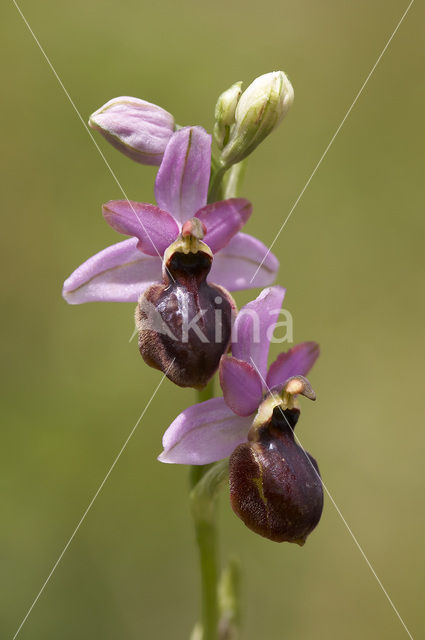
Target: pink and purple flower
121,272
211,430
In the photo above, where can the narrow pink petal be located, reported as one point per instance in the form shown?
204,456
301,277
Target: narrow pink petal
254,326
204,433
235,266
154,228
223,220
181,185
137,128
119,273
295,362
242,386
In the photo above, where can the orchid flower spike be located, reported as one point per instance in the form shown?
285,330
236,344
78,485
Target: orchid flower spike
139,129
121,272
211,430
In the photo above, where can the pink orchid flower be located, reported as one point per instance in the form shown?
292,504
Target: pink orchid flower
211,430
121,272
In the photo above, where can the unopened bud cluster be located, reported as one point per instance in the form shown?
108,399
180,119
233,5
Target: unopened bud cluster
243,120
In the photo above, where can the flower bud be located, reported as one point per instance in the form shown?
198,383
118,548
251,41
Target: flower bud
137,128
260,109
225,113
185,323
275,485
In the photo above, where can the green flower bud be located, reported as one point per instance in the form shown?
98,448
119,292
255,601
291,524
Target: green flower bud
260,109
225,113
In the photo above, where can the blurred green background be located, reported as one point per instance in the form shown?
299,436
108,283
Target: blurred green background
352,259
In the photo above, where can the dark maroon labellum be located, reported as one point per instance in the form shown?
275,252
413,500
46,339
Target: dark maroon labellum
185,323
275,486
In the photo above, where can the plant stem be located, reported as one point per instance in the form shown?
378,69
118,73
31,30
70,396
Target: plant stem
215,188
206,538
233,180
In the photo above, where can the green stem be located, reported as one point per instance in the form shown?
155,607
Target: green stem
215,189
233,180
206,537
